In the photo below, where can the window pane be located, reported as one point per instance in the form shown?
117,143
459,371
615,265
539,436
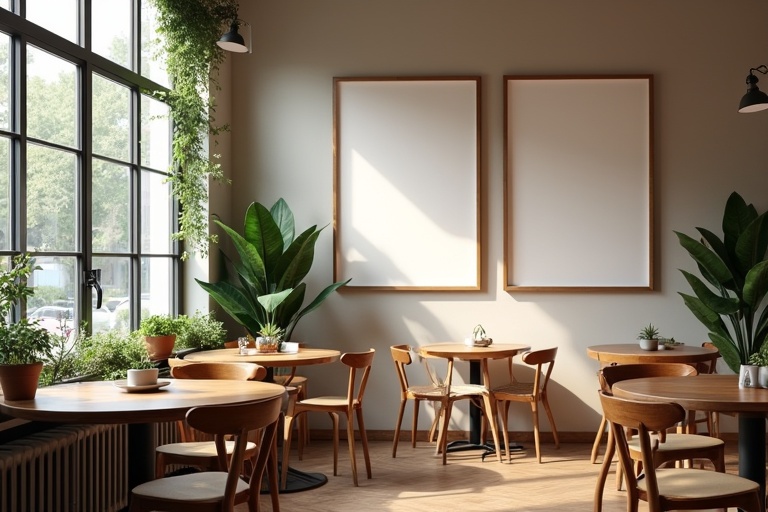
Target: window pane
156,214
5,194
5,83
152,59
111,119
53,303
155,134
51,98
156,280
58,16
111,207
51,199
111,29
115,283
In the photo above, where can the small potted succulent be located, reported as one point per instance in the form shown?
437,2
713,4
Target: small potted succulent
649,338
480,338
270,333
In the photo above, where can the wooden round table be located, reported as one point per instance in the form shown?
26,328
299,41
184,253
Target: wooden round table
104,403
478,374
629,353
717,393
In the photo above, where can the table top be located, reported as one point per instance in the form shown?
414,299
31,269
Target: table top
702,392
472,353
628,353
304,357
103,402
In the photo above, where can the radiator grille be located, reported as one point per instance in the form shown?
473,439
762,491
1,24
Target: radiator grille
77,468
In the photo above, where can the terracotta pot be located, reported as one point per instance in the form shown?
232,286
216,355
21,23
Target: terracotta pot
159,347
19,381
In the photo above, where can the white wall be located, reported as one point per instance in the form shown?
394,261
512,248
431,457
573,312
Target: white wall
699,51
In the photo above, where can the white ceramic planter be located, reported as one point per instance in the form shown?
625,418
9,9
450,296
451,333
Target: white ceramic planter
762,376
649,344
748,376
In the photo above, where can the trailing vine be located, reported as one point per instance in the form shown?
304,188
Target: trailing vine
190,29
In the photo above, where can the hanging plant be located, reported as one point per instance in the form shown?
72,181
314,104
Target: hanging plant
190,29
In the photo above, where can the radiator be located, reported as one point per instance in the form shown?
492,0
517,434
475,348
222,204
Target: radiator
75,468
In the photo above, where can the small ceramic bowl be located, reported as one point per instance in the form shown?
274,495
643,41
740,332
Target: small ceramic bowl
649,344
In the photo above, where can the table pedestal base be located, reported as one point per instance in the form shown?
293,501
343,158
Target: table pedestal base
298,481
752,449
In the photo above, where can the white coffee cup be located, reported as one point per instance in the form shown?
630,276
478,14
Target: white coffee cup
146,377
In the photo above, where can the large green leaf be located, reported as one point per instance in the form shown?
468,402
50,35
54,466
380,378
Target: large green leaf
736,217
718,304
728,350
717,246
260,230
297,259
283,217
251,262
233,301
707,259
750,246
756,285
706,316
270,301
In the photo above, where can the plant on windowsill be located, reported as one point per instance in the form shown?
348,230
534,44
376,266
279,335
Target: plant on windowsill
730,302
24,344
190,29
159,333
201,331
271,266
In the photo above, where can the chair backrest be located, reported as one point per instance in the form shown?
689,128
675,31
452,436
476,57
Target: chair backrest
709,366
401,355
610,375
643,418
544,361
225,371
359,369
238,420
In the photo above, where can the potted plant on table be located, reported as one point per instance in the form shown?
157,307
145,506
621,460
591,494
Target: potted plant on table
24,344
270,267
159,333
729,301
649,337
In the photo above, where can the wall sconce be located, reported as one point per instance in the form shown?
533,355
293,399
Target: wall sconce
232,41
755,100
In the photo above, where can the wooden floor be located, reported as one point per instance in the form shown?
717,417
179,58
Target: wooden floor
416,481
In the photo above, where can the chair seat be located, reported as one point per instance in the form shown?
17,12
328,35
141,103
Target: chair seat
200,448
679,442
195,487
698,484
435,392
515,388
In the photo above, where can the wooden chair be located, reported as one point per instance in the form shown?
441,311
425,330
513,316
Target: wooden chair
450,393
217,491
710,419
402,357
195,448
671,447
669,488
530,392
351,406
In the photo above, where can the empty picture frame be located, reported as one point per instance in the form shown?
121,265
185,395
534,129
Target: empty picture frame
406,182
578,183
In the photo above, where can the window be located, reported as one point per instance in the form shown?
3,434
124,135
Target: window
84,153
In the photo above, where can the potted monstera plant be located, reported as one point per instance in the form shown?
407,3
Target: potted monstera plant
728,297
23,343
267,292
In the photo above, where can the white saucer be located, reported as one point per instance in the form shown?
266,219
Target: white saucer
123,384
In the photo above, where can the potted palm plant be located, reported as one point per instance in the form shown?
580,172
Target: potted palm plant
270,267
729,299
23,343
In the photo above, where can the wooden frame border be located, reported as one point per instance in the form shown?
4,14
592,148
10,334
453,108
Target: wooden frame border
407,161
560,233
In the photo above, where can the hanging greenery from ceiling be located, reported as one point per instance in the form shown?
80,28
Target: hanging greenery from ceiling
190,29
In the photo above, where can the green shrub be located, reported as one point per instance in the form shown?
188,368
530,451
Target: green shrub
108,355
159,325
201,330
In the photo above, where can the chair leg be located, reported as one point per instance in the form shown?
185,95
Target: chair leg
415,423
551,419
442,438
273,478
489,413
287,433
364,440
537,441
610,448
598,438
502,412
351,443
397,427
335,420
